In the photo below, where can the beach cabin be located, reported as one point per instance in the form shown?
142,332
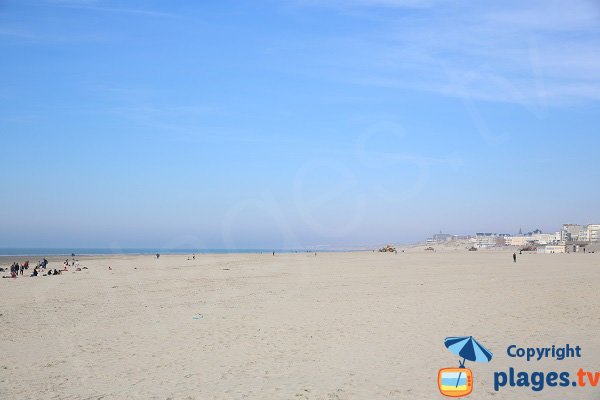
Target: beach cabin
576,247
541,250
551,249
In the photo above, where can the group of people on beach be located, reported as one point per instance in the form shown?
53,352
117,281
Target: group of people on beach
17,269
74,263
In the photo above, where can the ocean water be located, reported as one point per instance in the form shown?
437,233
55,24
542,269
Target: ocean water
103,251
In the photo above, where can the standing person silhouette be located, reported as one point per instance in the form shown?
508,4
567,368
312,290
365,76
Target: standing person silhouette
514,257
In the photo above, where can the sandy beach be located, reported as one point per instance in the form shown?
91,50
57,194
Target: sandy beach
356,325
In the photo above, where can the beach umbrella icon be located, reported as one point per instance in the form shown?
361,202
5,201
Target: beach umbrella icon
469,349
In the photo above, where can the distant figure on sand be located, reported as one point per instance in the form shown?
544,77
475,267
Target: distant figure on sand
273,253
157,256
514,257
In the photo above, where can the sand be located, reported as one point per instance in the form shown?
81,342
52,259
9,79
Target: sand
355,325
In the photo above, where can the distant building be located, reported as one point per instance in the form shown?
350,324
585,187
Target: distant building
442,237
593,232
580,233
544,238
571,232
551,249
575,247
517,240
484,240
558,237
589,233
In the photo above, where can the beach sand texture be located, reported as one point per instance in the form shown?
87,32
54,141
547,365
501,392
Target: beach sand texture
356,325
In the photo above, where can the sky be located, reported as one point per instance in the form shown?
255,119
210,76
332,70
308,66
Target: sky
294,124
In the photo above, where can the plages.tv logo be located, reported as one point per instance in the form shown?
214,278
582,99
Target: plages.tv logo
458,382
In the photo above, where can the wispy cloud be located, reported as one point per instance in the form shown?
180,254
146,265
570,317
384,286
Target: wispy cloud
33,36
368,3
22,30
17,33
532,53
95,6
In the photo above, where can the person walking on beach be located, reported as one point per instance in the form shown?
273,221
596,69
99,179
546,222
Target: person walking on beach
514,257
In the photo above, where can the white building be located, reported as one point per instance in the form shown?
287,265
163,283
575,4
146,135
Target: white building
593,232
544,238
441,238
585,233
484,240
571,231
517,240
551,249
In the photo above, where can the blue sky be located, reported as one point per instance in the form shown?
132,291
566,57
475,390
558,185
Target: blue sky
228,124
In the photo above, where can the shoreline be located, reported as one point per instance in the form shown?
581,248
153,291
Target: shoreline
52,252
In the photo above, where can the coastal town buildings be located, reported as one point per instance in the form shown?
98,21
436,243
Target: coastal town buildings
571,237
